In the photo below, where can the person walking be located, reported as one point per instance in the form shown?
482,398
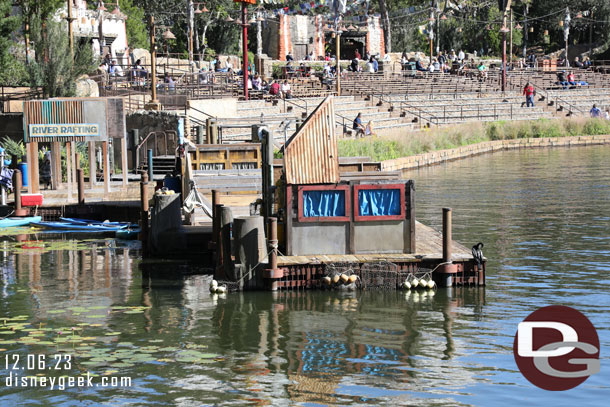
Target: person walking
45,170
529,93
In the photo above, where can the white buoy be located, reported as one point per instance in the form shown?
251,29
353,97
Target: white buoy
431,284
407,285
414,283
221,289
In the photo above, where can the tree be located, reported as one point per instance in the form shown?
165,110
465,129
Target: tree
135,25
387,28
12,71
54,70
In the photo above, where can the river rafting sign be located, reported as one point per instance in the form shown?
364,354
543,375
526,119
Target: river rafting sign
64,130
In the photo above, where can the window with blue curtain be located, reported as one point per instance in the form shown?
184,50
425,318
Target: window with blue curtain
323,203
378,202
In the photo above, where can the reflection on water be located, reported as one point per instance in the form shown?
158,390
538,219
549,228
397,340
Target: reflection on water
543,216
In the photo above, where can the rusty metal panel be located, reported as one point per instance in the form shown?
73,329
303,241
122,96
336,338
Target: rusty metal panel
310,155
106,116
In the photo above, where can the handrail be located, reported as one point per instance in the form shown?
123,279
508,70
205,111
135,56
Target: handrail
145,142
296,104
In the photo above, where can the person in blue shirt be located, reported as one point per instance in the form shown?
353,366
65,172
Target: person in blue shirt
375,64
595,112
358,125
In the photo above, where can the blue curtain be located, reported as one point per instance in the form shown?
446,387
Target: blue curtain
379,202
323,203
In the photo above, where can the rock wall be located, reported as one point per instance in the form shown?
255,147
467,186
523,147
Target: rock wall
441,156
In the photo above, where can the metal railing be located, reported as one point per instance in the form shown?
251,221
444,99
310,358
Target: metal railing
168,137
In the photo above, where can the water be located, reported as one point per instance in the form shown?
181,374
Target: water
544,216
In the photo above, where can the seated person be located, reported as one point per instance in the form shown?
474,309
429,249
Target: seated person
257,83
358,125
419,66
274,88
577,63
561,79
572,78
354,65
369,130
286,91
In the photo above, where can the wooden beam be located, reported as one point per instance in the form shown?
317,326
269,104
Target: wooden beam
28,153
35,174
69,168
124,161
92,164
106,167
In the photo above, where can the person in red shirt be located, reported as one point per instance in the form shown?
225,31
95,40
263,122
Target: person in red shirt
572,78
274,89
529,93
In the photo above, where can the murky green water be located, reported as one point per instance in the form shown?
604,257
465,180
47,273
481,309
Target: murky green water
543,215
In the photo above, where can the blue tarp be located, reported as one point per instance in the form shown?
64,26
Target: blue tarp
323,203
379,202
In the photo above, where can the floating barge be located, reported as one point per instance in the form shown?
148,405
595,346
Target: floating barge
315,221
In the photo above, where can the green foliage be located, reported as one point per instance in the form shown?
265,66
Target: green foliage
137,32
12,147
11,70
54,70
380,149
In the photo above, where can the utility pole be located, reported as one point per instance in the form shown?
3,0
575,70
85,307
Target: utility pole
431,31
69,18
526,8
504,30
338,53
566,33
154,103
101,9
511,38
244,24
191,16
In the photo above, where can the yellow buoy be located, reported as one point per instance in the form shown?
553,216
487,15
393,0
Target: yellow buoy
326,280
335,278
344,278
353,278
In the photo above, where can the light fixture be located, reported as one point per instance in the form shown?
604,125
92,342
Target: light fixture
531,29
351,28
488,28
260,19
546,32
229,19
579,15
197,11
168,35
101,7
518,26
205,9
459,29
504,29
443,17
431,19
561,23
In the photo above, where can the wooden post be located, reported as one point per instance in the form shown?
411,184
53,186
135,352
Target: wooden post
215,203
92,164
69,168
106,166
28,154
338,56
447,234
55,165
273,243
35,169
17,185
80,177
144,211
124,165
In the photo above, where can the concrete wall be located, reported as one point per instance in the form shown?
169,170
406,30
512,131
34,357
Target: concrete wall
437,157
320,238
225,107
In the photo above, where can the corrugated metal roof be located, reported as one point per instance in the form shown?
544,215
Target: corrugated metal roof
310,155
